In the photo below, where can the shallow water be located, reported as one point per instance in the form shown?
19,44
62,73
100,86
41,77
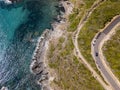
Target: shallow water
20,26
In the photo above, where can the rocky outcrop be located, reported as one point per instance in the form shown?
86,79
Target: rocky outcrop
39,64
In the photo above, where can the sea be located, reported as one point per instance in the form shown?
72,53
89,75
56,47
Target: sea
21,24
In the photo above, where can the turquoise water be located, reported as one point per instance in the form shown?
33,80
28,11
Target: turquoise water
20,26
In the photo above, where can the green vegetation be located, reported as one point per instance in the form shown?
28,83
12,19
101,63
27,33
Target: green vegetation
100,16
78,12
89,3
75,18
112,53
72,75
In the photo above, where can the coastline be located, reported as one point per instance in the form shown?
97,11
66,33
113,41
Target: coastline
39,63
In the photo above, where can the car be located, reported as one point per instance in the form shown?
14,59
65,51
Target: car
94,40
98,35
99,67
93,44
96,54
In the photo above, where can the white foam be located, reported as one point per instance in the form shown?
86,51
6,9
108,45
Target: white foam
7,2
4,88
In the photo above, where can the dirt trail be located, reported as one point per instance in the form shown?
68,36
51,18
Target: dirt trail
77,51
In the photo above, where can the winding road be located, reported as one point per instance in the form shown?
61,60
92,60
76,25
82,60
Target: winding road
77,50
113,83
107,74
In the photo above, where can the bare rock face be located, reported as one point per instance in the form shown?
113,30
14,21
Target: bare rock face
38,66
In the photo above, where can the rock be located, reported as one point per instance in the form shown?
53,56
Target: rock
39,67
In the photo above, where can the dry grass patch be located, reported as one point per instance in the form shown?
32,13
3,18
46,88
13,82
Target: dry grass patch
71,74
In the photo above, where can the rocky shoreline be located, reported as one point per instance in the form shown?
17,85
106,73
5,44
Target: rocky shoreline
39,63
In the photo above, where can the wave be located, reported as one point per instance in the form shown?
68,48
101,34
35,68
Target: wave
6,1
14,64
4,88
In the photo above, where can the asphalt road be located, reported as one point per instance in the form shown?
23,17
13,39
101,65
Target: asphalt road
97,58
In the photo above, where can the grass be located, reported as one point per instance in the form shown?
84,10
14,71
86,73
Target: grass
71,74
89,3
78,12
75,18
100,16
112,53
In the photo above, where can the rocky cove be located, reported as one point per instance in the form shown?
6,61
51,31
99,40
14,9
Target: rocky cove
20,27
39,61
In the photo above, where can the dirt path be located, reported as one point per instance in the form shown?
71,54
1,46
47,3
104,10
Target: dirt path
77,51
